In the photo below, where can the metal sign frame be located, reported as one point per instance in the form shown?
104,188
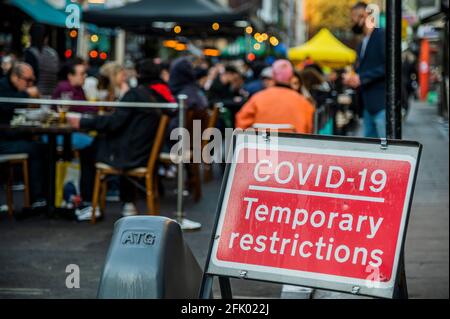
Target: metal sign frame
402,148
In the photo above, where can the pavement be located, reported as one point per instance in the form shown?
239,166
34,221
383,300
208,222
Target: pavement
427,241
35,252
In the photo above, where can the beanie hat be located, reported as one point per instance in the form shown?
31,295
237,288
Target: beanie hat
282,71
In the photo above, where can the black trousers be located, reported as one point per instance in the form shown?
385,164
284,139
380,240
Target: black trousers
87,179
37,159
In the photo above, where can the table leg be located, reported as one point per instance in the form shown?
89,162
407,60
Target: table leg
67,147
51,173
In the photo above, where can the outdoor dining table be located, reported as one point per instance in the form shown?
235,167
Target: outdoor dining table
52,131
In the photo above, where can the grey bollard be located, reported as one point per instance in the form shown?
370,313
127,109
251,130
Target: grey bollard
148,258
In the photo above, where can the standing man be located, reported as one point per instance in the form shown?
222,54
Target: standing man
370,76
43,59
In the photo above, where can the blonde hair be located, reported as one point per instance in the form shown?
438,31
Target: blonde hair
110,70
107,74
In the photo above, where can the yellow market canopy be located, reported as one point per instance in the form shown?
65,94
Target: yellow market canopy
324,49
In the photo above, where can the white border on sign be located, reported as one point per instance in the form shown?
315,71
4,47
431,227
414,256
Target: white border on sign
304,274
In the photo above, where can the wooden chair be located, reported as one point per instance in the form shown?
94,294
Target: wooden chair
148,173
10,160
194,180
213,116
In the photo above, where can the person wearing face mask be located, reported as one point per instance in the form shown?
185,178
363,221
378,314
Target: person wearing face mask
370,75
113,81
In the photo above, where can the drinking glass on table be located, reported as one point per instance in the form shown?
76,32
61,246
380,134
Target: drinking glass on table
102,96
46,108
63,109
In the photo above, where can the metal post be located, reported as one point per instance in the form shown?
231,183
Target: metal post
120,47
393,103
207,286
316,120
181,115
185,223
393,69
290,28
82,42
225,287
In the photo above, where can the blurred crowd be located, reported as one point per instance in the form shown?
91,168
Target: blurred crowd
305,99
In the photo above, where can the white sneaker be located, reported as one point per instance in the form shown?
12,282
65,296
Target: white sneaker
171,172
187,224
86,213
161,171
129,209
39,203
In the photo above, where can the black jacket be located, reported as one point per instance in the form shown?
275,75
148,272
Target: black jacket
7,89
371,70
126,137
182,81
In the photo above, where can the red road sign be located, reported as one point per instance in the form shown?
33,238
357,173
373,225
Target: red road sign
322,215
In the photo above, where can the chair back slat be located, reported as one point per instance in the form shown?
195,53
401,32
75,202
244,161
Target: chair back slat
213,116
287,128
158,142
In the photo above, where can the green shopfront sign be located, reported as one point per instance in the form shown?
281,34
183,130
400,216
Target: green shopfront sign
243,46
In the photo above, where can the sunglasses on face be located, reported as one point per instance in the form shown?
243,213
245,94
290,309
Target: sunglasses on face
28,80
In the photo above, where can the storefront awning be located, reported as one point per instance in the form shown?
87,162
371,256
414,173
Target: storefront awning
41,11
143,13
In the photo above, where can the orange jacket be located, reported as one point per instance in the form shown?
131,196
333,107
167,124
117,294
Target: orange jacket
277,105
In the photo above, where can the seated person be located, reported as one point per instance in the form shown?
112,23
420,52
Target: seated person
125,137
227,88
113,81
74,74
182,81
19,83
278,104
315,84
262,79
